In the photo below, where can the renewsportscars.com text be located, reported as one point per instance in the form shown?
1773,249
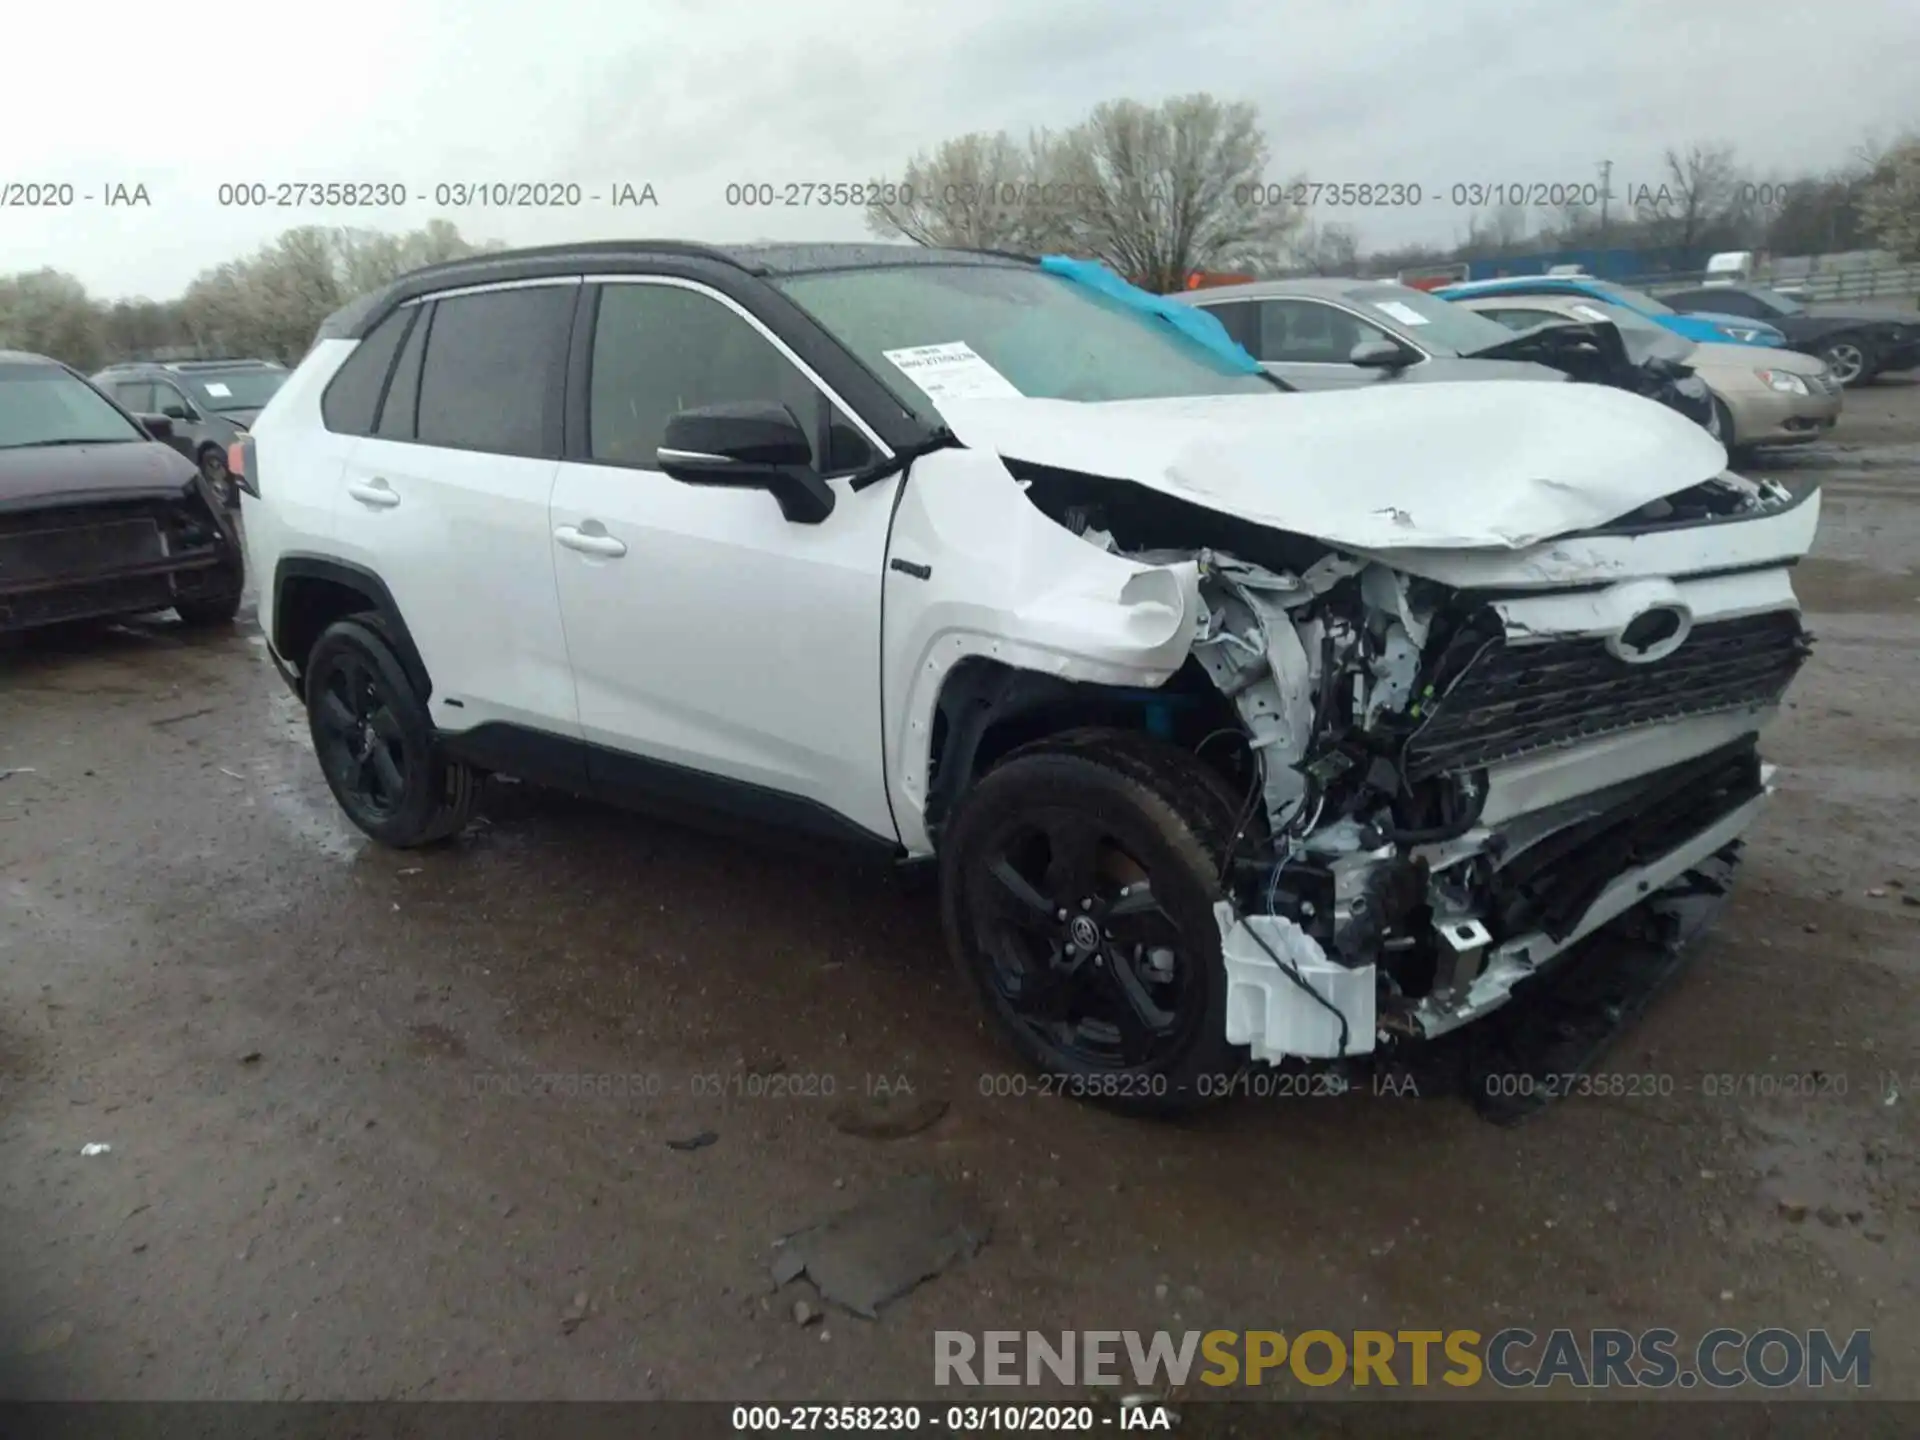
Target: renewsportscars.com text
1512,1359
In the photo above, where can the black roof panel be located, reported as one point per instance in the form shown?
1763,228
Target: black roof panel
354,319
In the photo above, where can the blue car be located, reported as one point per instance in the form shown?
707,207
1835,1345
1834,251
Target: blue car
1705,326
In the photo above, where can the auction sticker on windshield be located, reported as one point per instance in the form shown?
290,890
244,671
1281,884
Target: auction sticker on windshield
1405,314
951,372
1587,312
217,390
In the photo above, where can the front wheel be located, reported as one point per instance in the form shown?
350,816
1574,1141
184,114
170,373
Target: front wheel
1078,885
376,743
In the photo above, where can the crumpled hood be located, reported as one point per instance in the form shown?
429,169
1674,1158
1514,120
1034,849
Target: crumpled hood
1473,465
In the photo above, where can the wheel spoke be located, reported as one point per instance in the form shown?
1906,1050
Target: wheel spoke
392,783
1009,896
334,714
1131,1009
385,725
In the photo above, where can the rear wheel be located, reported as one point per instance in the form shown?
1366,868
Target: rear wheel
1078,885
376,743
1850,360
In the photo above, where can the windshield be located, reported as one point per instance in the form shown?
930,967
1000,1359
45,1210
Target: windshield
234,389
1775,301
40,405
1433,323
1638,299
1004,330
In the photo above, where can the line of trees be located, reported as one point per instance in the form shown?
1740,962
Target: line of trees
1156,191
1704,199
266,305
1159,192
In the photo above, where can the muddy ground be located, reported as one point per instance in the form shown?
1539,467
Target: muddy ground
336,1169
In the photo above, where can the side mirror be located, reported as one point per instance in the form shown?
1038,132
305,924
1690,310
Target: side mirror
1381,355
175,412
160,427
749,445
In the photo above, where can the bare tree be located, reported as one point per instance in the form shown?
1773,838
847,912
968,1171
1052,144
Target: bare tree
1698,189
271,303
1325,250
1890,201
976,192
49,312
1160,192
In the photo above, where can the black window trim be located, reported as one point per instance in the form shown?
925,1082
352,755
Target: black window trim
554,405
578,449
419,315
386,380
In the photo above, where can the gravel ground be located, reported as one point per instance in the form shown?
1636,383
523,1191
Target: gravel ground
336,1172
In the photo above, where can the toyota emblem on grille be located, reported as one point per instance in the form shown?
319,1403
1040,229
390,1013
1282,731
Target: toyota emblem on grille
1652,634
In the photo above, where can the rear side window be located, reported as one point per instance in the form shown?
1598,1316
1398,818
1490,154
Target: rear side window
135,395
354,394
490,363
402,404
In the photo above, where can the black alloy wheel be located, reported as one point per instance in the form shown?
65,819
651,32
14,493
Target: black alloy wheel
1079,878
376,744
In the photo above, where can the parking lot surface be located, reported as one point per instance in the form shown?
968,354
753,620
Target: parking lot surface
388,1125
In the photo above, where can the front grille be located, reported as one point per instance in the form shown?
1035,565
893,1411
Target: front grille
29,557
1511,700
1550,885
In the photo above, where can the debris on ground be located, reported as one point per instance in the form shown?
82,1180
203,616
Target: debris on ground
50,1336
876,1252
887,1117
694,1142
17,770
94,1147
575,1312
252,1057
804,1314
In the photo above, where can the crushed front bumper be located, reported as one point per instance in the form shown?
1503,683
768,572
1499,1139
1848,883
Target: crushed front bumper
85,561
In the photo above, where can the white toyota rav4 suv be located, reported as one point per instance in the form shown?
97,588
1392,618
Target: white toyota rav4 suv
1243,724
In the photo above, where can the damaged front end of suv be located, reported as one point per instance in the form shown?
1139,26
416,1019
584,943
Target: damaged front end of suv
1460,786
1477,728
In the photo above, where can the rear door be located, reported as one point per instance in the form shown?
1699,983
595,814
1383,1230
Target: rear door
712,639
447,501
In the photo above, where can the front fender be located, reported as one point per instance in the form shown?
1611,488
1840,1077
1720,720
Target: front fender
984,573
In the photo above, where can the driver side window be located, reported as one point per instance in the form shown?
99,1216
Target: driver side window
1306,332
660,349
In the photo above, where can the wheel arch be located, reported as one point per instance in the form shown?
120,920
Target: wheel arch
988,708
311,592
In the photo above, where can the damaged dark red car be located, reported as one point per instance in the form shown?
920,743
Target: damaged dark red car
99,516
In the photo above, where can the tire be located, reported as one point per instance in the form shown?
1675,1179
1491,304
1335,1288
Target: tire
213,467
1850,360
1153,812
376,744
1722,427
209,611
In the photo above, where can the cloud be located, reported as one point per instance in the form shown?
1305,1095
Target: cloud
694,96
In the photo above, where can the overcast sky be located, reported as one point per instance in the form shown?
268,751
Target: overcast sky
690,95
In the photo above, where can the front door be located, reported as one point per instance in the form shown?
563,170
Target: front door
721,653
